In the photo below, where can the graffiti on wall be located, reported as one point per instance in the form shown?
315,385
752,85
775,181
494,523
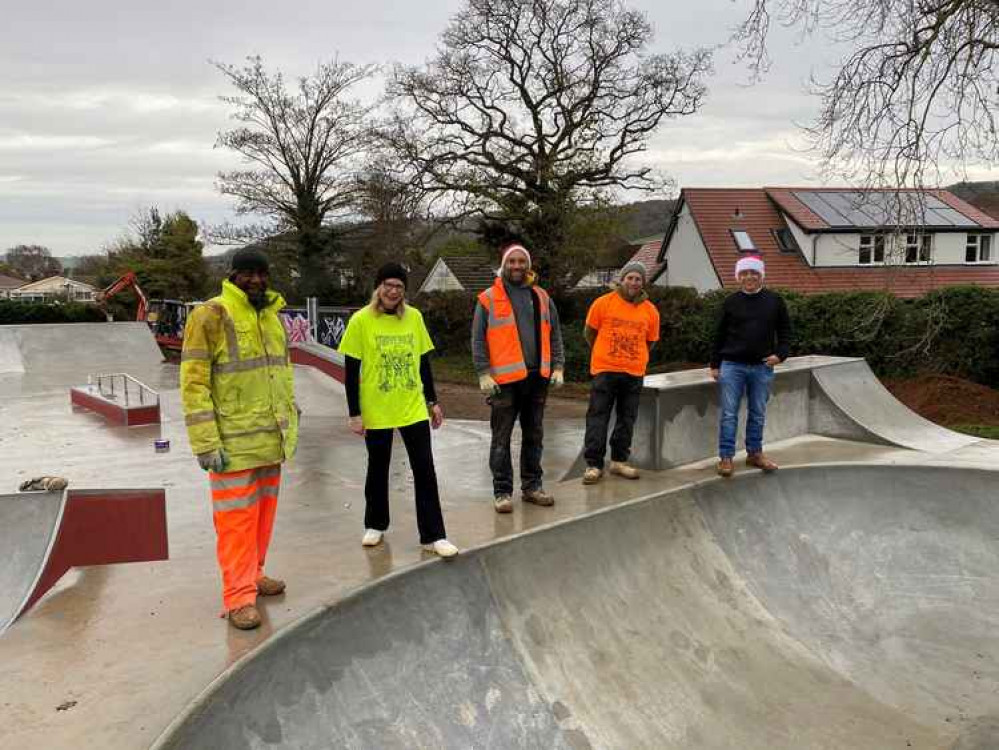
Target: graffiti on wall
330,329
296,326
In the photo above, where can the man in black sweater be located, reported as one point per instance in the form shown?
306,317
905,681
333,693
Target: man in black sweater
753,336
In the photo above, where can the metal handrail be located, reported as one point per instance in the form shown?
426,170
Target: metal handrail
114,385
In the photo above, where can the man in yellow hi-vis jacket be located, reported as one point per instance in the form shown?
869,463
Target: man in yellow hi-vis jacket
238,393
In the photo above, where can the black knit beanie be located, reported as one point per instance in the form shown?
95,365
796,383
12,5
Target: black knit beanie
249,259
392,271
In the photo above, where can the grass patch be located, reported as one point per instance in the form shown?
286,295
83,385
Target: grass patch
988,431
455,368
458,369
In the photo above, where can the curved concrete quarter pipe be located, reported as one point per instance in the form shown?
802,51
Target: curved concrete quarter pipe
44,534
833,607
836,397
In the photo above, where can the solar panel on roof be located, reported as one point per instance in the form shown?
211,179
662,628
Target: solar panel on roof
855,208
858,212
826,212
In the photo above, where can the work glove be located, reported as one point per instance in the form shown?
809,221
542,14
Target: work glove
487,385
213,460
558,378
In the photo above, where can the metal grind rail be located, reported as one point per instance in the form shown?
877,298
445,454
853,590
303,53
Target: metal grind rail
123,389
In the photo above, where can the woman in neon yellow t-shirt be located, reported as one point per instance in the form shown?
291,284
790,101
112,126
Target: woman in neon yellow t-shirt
390,387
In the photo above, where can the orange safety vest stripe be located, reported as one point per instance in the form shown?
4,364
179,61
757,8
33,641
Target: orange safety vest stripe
506,356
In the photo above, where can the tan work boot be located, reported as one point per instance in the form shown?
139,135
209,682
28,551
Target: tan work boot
538,497
623,469
592,475
270,586
245,618
725,467
503,504
760,461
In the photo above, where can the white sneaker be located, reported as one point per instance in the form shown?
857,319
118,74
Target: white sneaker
442,548
372,537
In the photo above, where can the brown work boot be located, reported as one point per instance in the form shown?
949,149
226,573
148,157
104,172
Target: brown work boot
592,475
725,467
503,504
760,461
270,586
623,469
538,497
245,618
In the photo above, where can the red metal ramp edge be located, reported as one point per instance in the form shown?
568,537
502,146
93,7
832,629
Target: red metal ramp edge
97,527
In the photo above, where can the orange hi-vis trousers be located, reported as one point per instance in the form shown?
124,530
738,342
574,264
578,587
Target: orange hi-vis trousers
243,507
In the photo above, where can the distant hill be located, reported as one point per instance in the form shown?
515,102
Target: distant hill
982,195
646,218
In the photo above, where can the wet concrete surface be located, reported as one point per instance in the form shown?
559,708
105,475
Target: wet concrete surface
122,650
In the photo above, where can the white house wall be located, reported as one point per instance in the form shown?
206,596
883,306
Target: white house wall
839,250
687,261
803,239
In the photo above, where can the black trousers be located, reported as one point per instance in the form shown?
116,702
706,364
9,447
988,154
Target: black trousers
523,401
609,388
416,437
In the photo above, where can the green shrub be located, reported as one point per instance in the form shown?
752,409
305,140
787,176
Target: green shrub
952,331
19,313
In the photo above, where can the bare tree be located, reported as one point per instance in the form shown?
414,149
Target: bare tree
32,262
301,145
916,93
534,108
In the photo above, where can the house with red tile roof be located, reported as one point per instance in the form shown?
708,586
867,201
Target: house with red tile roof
648,255
830,239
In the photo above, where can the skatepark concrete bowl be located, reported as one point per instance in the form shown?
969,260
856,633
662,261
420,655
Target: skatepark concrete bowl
838,606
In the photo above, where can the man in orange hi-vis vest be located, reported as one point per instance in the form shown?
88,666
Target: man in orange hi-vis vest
237,388
517,352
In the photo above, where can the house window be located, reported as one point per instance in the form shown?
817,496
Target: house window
872,249
978,249
918,248
785,240
743,241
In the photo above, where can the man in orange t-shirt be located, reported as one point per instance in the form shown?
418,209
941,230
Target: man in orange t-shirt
620,328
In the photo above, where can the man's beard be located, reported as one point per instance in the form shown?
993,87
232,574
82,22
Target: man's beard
630,295
258,299
509,278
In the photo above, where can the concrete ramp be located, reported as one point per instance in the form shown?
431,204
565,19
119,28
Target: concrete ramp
29,526
45,534
36,358
826,607
854,391
11,361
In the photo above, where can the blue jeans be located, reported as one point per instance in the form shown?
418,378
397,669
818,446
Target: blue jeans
735,380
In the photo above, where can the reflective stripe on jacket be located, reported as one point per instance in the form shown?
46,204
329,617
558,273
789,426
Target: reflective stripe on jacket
236,381
506,356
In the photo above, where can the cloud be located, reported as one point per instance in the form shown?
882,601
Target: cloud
43,142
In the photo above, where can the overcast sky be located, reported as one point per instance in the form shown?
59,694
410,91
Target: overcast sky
107,107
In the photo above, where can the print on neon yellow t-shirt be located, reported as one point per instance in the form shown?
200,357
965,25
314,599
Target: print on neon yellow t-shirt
389,348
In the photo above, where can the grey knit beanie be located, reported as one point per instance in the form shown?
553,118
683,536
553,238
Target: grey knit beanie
634,266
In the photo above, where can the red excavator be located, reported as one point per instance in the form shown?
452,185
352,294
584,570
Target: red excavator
166,317
126,281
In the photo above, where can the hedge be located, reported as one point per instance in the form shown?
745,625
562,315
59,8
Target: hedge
19,313
952,331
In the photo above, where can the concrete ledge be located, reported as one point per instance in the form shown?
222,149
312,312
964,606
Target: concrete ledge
321,357
89,398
